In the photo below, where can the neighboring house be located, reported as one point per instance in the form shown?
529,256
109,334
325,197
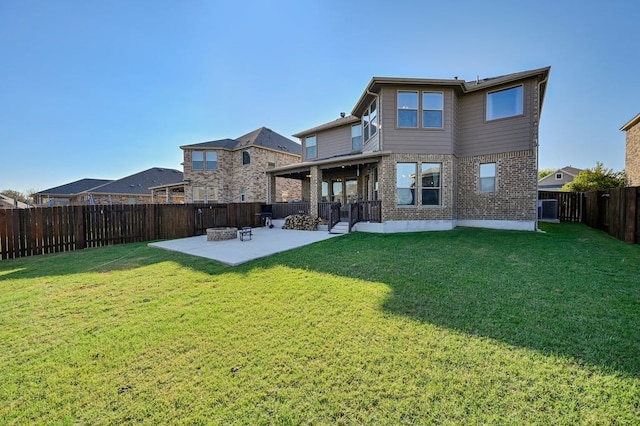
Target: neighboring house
632,157
556,180
435,153
11,203
132,189
233,170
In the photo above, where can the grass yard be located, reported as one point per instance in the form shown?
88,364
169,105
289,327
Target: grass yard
468,326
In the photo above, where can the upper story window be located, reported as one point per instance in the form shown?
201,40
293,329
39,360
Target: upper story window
432,109
488,177
310,147
271,160
558,176
370,120
407,109
504,103
356,137
246,157
204,159
197,160
211,158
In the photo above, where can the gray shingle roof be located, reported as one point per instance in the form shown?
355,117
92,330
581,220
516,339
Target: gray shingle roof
76,187
263,137
139,183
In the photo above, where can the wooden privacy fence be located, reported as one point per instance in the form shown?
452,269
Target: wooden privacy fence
41,230
569,204
616,211
282,210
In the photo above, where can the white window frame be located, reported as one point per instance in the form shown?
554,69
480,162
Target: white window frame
558,176
423,109
489,177
519,108
201,161
414,188
314,146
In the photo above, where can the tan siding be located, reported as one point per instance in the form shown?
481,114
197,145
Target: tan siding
332,142
419,140
478,136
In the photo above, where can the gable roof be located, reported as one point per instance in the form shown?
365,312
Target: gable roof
571,171
74,188
139,183
462,86
263,137
631,123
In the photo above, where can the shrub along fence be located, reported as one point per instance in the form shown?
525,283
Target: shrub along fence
40,230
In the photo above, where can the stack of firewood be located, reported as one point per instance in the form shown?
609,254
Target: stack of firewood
301,222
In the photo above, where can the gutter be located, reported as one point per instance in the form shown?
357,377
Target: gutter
537,143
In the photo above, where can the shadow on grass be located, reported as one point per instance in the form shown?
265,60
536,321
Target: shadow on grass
571,292
112,258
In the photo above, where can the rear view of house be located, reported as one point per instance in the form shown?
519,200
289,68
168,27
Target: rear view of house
431,153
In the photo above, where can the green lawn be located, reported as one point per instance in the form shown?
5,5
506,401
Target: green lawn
467,326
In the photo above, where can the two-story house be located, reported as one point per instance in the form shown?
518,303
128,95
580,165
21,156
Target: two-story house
632,151
436,153
556,180
233,170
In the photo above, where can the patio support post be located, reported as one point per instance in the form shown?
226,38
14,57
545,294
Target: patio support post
315,190
271,189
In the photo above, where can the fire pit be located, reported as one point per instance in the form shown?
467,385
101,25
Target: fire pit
219,234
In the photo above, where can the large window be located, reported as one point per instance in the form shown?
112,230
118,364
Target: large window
310,147
432,107
488,177
246,157
356,137
201,160
504,103
370,120
211,160
406,184
430,177
407,109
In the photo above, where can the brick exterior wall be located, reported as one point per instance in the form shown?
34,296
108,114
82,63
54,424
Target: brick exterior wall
516,188
231,176
388,191
632,160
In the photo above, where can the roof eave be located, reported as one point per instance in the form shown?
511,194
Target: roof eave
631,123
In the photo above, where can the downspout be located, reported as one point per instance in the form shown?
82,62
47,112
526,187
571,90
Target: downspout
537,144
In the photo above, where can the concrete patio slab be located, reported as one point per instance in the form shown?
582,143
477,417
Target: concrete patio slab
264,242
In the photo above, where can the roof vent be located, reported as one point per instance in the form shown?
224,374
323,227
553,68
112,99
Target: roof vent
342,114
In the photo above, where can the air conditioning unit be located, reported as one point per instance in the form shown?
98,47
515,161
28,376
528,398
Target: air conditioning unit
547,209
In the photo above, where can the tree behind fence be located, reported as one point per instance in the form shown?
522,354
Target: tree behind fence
41,230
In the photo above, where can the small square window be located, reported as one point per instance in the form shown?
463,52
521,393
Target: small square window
558,176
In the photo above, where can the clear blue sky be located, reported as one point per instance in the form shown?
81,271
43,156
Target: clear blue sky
104,89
